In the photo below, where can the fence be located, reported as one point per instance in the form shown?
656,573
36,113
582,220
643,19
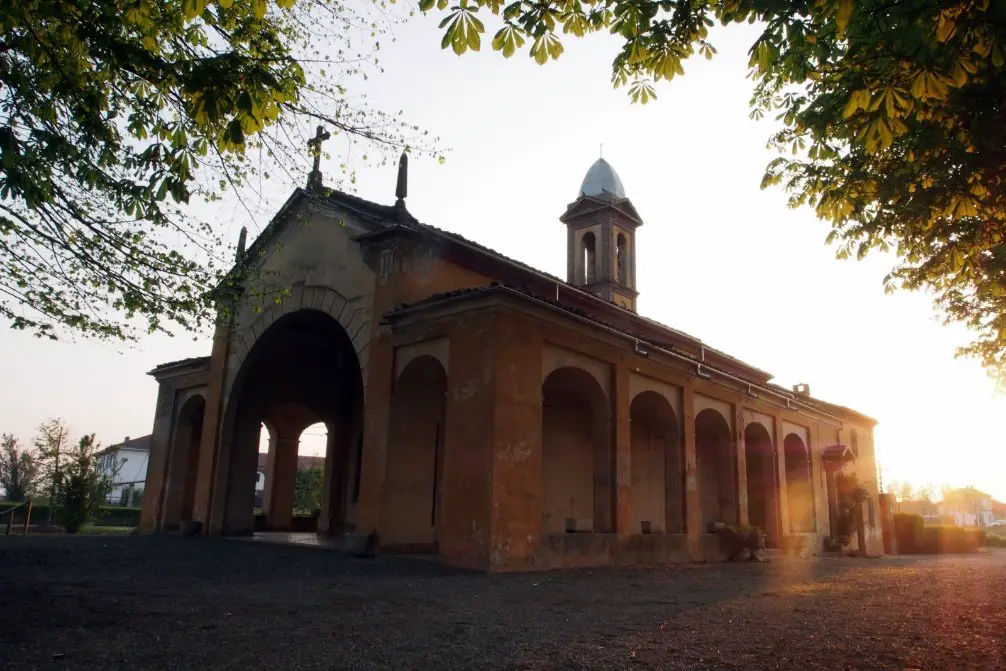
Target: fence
10,517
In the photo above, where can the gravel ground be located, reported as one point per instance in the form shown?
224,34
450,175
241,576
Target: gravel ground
173,603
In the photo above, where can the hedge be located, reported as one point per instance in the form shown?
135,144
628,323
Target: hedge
914,537
993,541
108,516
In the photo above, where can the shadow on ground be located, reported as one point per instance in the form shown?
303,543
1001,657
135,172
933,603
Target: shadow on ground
174,603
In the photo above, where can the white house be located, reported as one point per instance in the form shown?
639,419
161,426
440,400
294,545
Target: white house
968,506
132,457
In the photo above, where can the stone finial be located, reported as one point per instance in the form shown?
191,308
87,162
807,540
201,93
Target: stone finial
402,187
242,238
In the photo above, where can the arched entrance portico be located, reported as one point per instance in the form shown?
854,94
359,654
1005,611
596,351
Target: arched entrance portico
302,370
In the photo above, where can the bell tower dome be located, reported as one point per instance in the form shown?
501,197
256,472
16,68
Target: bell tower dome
601,238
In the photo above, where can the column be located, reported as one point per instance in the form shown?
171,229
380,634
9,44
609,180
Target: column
623,453
211,483
157,470
782,500
693,512
740,451
335,493
281,475
376,419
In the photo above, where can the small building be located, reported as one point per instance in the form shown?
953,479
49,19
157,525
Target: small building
968,507
126,463
486,411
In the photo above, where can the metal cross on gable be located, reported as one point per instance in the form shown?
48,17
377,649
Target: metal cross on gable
314,181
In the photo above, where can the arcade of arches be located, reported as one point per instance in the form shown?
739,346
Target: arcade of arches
472,408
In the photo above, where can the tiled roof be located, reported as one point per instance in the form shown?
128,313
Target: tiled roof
192,361
496,287
404,218
141,443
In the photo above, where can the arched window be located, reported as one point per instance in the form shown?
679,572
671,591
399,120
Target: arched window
587,253
621,259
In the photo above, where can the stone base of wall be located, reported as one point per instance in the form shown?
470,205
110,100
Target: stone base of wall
584,549
803,545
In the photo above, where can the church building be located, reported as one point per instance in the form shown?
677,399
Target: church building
483,410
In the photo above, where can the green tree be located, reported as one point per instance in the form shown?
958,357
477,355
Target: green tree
893,119
307,489
114,113
83,486
18,469
52,449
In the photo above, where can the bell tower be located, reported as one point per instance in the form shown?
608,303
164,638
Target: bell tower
601,238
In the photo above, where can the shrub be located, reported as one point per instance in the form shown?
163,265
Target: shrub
995,541
907,530
943,540
737,541
81,487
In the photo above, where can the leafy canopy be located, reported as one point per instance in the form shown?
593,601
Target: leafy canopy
18,469
892,111
114,113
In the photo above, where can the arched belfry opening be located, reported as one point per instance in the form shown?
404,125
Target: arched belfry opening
601,231
588,253
577,455
413,484
621,260
302,371
656,457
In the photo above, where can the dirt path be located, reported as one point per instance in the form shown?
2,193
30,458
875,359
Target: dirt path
172,603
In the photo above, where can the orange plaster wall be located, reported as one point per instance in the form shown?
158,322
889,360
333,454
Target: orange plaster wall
465,524
516,469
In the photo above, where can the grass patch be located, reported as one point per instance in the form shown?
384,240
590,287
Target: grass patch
97,530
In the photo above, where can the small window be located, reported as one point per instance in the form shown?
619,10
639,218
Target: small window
870,511
854,440
387,263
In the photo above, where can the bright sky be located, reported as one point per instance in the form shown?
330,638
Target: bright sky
718,258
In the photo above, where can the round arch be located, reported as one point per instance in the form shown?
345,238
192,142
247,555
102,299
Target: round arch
656,458
577,457
415,461
715,468
305,359
762,481
799,485
179,492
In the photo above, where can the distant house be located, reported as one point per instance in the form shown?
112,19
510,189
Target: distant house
998,510
132,457
968,507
